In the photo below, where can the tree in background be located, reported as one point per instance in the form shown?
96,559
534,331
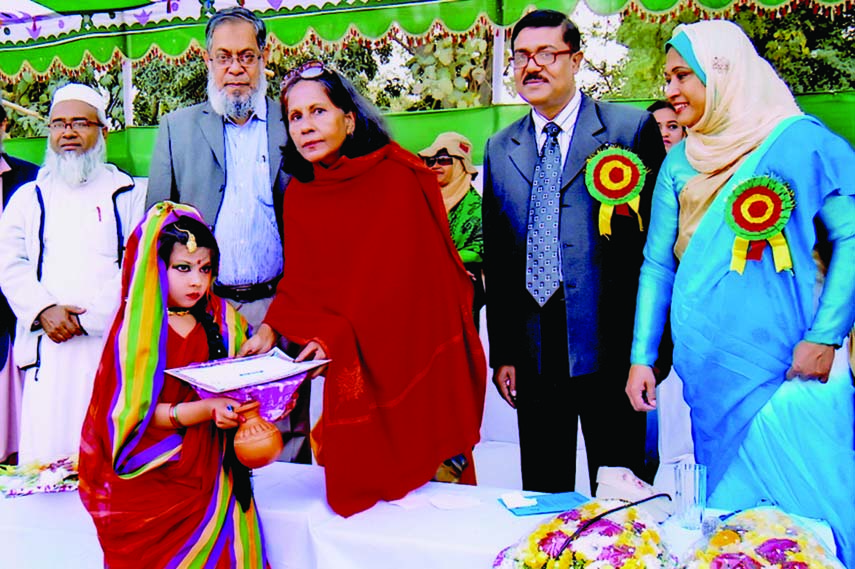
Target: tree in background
811,52
164,85
359,63
34,93
451,73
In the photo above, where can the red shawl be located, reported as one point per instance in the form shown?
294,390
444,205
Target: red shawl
372,274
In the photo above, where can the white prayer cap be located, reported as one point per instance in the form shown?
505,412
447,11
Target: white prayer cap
83,93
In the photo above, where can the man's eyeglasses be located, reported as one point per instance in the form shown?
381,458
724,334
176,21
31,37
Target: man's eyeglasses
309,70
441,160
76,125
541,58
244,59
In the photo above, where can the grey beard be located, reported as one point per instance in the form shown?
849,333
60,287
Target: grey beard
236,107
75,169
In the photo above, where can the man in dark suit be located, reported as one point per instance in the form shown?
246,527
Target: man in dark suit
223,157
14,173
560,312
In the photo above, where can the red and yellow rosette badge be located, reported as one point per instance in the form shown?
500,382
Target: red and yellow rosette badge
757,211
614,177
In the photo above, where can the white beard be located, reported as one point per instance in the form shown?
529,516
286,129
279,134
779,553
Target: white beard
235,106
75,169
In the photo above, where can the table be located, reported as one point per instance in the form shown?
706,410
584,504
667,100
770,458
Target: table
45,531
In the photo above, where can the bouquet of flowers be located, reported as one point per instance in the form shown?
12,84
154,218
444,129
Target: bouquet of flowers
761,537
598,534
59,476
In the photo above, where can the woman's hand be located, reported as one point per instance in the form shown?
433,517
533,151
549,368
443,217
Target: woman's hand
262,341
811,361
313,351
223,412
641,387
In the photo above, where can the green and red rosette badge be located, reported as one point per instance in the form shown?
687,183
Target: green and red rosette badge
614,177
757,211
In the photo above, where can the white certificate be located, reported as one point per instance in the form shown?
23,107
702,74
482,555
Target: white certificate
219,376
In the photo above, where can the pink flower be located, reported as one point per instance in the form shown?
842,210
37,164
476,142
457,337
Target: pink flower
617,555
500,558
775,550
794,565
734,561
551,544
603,527
570,516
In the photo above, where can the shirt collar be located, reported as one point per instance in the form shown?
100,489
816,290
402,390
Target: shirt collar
563,119
4,166
259,113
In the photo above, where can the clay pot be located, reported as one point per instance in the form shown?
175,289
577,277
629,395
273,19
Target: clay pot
257,442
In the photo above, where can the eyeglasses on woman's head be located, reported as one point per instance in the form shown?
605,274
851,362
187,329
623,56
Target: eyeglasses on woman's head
309,70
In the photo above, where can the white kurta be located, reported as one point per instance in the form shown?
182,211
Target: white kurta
80,268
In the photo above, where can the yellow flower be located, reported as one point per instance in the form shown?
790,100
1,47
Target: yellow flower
724,537
645,549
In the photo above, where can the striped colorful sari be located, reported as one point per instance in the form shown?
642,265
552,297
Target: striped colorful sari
161,497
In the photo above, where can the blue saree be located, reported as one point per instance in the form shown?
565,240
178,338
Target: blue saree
761,437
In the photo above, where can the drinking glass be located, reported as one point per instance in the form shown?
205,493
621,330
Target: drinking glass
690,501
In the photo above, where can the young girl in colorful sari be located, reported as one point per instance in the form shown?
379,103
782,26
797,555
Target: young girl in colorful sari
737,212
157,467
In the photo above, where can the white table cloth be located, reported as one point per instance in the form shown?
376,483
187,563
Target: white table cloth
46,531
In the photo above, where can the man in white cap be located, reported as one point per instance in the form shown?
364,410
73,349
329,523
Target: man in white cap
62,237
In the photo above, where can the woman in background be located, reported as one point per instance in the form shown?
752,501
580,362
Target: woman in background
374,283
666,118
450,157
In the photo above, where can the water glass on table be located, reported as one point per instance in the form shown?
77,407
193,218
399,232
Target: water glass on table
690,500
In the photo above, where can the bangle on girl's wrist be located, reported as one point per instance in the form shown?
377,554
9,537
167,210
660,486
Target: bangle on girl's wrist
173,417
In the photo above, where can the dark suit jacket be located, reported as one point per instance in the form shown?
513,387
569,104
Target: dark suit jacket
21,172
600,274
189,159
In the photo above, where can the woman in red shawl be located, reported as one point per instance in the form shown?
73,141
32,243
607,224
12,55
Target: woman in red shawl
157,471
373,282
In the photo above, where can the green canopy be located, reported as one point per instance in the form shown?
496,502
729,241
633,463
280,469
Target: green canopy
39,34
